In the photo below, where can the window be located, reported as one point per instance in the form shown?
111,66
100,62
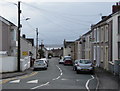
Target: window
118,50
95,35
119,25
98,34
106,33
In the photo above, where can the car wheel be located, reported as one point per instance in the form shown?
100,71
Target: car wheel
34,69
77,71
92,72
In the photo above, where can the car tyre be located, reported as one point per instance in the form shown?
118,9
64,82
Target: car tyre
92,72
77,71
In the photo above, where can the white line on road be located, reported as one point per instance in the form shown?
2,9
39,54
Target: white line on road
15,81
33,81
88,82
40,85
61,73
97,83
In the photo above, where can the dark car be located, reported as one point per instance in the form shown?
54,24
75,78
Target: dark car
68,60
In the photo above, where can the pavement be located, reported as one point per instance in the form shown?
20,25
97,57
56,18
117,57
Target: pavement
107,80
15,74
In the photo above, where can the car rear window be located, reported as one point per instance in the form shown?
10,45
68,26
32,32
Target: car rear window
67,58
39,61
85,61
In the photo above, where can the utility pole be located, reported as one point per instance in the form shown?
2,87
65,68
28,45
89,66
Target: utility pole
36,43
41,48
19,52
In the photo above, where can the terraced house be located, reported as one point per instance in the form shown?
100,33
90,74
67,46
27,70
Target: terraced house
106,39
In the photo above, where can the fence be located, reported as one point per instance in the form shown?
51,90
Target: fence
9,64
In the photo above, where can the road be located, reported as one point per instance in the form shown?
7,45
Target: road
57,76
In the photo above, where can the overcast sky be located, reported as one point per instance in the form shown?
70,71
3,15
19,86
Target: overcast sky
56,21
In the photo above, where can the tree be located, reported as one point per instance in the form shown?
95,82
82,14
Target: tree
41,53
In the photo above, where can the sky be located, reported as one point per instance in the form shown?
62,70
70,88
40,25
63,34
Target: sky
56,20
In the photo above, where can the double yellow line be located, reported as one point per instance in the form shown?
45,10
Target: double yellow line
22,77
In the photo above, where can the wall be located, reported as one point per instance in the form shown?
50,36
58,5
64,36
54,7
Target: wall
12,61
25,63
67,51
8,60
25,47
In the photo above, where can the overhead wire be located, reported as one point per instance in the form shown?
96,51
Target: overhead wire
63,15
42,10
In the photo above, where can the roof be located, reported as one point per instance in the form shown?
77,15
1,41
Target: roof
5,21
103,20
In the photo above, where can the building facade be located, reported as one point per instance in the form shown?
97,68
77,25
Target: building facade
8,37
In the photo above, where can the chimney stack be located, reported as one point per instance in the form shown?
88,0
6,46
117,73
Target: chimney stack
116,8
103,17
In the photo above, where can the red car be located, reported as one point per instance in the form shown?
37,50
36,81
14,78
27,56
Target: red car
68,60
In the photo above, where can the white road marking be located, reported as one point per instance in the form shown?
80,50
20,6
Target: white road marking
33,81
15,81
63,79
61,73
88,83
40,85
97,83
77,80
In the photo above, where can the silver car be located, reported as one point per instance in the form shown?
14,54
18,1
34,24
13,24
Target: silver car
40,64
84,65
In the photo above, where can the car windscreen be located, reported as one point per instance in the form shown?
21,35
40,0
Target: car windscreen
85,61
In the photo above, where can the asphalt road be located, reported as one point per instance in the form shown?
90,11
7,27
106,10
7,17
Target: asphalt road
57,76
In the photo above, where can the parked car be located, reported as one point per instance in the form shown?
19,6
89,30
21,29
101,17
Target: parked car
68,60
84,65
61,61
75,65
46,60
40,64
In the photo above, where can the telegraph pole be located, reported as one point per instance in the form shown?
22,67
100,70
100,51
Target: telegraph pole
19,52
36,42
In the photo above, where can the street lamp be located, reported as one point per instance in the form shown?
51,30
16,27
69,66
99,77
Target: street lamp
25,19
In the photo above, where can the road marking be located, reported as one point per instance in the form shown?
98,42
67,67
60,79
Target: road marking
20,77
40,85
77,80
15,81
63,79
26,76
88,83
97,83
61,73
33,81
